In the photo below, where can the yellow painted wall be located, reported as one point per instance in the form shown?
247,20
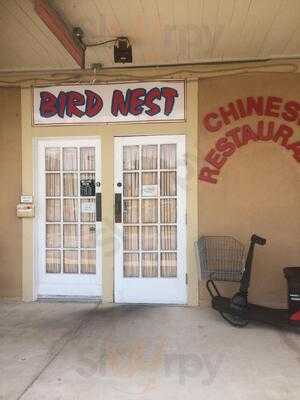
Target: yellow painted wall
107,132
10,179
258,189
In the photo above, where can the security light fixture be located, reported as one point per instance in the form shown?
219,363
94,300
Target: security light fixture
122,50
122,46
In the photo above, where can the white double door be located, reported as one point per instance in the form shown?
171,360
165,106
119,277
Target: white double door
68,235
150,219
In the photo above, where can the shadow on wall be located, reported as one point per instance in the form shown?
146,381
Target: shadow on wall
257,192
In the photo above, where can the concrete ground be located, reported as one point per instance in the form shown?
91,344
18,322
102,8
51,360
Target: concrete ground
75,351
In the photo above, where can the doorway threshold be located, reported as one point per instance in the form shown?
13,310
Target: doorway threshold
69,299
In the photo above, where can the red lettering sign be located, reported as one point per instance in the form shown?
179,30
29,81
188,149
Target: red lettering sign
68,103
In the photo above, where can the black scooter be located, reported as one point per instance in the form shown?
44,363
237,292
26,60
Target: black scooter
237,311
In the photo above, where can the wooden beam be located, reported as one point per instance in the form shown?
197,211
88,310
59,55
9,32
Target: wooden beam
55,24
136,74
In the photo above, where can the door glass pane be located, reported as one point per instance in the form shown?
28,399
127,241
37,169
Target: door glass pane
149,238
70,261
52,159
168,185
88,261
52,185
53,237
131,237
53,262
88,235
70,235
149,178
131,184
131,265
149,157
168,265
149,210
130,158
168,211
88,210
70,219
130,211
70,159
70,210
70,185
87,159
168,237
149,265
153,245
52,210
168,156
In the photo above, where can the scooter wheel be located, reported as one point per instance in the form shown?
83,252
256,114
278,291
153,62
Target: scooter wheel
235,320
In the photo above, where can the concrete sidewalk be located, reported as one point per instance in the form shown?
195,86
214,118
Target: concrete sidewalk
76,351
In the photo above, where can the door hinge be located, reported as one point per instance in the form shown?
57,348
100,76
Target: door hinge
186,218
186,279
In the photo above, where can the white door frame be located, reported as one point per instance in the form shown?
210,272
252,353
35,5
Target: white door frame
127,294
84,290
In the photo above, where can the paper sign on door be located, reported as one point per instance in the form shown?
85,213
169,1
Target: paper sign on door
88,207
149,190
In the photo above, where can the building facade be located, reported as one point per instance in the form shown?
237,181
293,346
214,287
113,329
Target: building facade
118,206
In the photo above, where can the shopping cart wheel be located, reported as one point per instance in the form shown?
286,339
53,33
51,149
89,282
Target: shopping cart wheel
235,320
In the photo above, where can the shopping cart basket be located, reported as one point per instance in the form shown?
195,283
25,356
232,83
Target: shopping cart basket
220,258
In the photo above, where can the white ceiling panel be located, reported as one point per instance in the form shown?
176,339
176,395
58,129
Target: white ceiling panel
161,31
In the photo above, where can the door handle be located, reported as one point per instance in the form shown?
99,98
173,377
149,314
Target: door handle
118,208
98,207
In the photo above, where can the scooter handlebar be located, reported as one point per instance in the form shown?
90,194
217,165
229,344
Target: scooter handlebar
258,240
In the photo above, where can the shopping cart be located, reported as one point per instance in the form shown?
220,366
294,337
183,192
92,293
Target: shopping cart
220,258
223,258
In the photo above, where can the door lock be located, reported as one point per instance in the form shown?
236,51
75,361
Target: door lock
98,207
118,208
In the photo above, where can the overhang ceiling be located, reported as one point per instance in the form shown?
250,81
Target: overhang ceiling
161,31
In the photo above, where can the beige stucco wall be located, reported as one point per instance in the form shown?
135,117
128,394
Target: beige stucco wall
107,132
10,178
258,189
